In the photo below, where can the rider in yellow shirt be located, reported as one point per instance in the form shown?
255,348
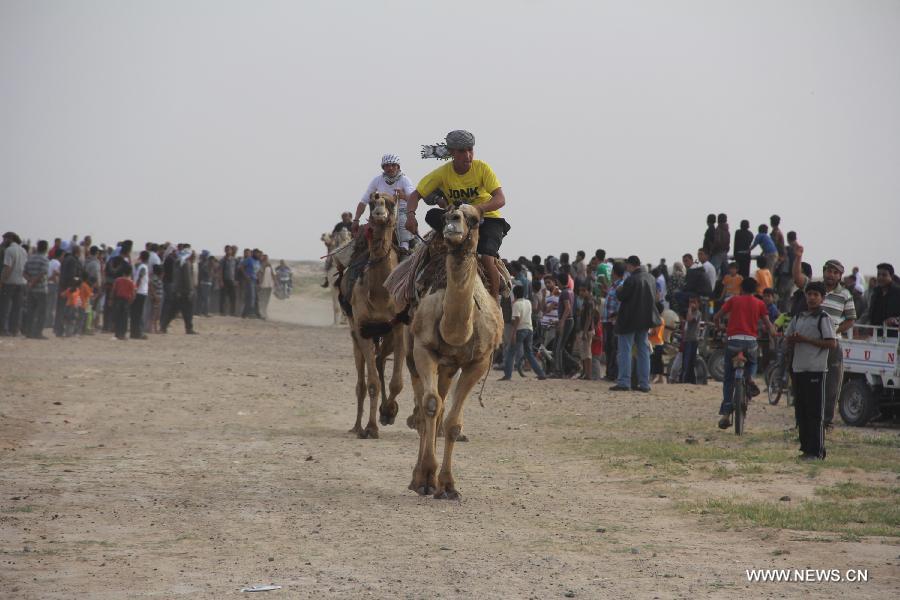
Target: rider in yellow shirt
466,181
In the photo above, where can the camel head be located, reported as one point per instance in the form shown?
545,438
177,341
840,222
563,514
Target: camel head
382,209
328,240
461,226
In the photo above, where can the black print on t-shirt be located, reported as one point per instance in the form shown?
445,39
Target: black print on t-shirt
465,194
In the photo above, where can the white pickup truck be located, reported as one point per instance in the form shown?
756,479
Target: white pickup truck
871,374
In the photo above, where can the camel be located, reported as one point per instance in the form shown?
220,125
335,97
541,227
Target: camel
453,330
337,261
374,327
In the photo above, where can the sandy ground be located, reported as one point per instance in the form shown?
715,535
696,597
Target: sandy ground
194,466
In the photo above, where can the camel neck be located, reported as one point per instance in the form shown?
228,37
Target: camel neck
382,260
459,298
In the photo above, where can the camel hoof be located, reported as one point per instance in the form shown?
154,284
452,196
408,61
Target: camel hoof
387,418
411,421
425,490
369,433
357,430
448,494
462,438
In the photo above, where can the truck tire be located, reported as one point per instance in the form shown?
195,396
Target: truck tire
857,403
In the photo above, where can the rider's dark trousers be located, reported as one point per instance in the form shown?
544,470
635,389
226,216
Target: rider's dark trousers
809,409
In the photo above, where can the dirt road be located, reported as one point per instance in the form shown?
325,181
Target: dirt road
195,466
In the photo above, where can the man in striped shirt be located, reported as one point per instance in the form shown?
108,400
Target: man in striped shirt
838,304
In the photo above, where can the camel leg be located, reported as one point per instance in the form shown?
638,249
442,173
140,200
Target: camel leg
469,377
445,380
424,480
390,408
335,305
360,383
416,381
373,387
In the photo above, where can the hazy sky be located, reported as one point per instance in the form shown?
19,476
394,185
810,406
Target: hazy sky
610,124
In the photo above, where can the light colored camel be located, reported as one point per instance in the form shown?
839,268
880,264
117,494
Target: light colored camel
453,330
374,327
339,260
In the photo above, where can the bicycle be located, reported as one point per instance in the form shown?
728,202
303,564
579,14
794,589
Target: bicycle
777,376
740,398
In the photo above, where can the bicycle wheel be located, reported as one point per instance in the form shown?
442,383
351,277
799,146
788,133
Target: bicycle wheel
739,405
774,387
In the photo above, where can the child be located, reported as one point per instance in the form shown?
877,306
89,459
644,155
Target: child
156,297
731,283
123,292
690,341
522,336
657,343
86,314
765,341
74,305
763,275
811,336
597,351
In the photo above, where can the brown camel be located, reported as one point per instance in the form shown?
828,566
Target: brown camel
374,326
453,330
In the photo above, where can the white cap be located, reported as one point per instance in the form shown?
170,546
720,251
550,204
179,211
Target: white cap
390,159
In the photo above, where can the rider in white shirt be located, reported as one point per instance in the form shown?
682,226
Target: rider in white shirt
391,181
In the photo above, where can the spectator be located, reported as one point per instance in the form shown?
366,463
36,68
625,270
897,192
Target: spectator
778,240
155,290
604,268
696,283
12,284
743,238
764,241
141,278
837,304
731,283
709,237
93,275
521,323
250,270
565,326
763,275
859,300
608,315
710,270
884,308
811,335
182,290
122,294
690,341
721,245
35,271
204,283
229,271
73,309
657,343
637,315
586,323
266,282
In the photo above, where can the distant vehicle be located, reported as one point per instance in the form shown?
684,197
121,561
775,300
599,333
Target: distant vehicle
871,374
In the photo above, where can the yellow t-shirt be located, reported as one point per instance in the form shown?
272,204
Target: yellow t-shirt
732,285
764,279
474,187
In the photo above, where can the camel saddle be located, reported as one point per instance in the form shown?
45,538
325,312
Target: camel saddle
426,271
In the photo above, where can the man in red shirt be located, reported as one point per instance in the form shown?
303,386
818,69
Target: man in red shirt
744,313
